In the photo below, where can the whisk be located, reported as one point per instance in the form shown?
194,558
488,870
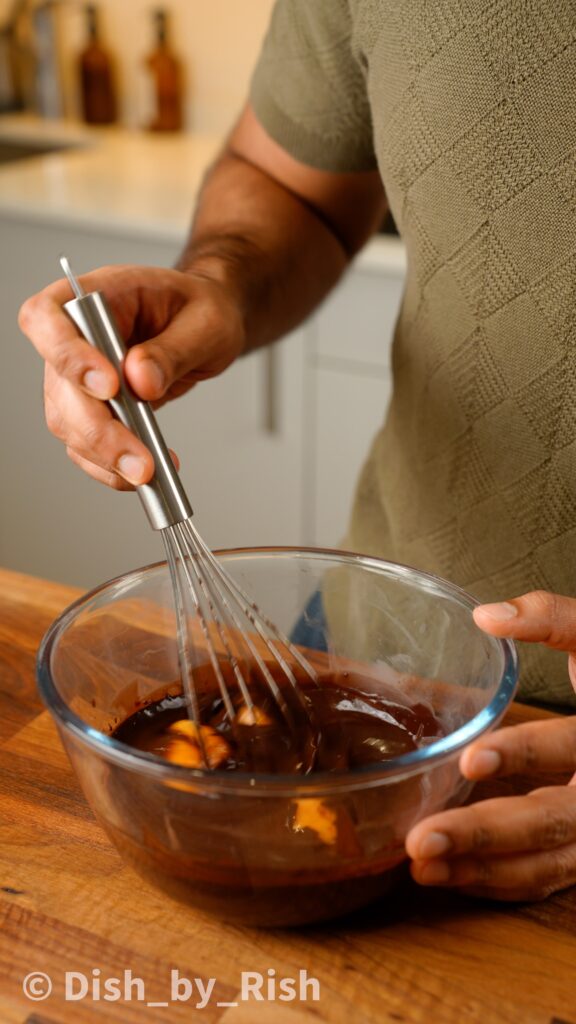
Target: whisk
242,644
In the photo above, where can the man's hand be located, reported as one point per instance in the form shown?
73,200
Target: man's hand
181,327
511,848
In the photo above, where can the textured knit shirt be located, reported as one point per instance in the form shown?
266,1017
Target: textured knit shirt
468,110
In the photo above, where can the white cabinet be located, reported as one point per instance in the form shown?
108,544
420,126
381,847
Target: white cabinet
270,450
244,478
356,325
348,388
349,409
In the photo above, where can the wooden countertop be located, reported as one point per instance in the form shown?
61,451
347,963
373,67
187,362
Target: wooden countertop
67,903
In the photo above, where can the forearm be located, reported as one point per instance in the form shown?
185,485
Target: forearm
271,249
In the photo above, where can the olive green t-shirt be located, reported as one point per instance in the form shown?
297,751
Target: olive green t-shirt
468,109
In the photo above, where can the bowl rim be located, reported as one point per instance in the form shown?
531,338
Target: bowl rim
360,776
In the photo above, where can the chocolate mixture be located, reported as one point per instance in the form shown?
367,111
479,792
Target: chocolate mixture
268,857
336,726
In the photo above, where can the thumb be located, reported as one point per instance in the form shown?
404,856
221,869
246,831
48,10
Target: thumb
154,365
538,617
196,344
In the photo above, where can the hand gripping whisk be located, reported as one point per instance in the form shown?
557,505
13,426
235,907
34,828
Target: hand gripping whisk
245,650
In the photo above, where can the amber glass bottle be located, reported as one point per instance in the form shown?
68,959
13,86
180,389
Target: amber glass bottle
99,104
166,73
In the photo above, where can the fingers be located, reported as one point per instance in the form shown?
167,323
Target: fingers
137,295
103,476
538,616
147,296
55,337
548,746
532,876
180,328
509,848
542,820
516,847
177,325
107,477
95,440
78,377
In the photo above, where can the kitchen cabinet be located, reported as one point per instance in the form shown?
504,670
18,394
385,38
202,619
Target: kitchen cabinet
349,387
348,410
270,450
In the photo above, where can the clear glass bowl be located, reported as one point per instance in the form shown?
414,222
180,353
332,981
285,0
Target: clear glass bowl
233,843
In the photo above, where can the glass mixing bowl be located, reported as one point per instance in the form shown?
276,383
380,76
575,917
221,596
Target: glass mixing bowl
245,846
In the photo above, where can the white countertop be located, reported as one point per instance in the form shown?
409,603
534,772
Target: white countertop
120,181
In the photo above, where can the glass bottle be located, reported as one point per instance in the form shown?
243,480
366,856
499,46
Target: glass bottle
99,104
166,73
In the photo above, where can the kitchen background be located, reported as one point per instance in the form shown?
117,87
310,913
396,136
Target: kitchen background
216,40
271,450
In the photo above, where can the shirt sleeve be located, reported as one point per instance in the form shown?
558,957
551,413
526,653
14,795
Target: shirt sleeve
309,90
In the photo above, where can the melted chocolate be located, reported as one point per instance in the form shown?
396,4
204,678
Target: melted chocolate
335,726
276,857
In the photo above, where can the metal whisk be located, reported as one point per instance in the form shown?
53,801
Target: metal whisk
238,638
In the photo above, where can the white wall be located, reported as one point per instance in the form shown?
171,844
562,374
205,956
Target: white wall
217,40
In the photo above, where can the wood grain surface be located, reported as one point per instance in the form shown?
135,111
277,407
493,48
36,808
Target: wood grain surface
68,904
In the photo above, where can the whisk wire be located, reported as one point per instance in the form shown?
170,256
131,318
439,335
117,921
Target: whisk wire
189,559
236,610
183,649
259,622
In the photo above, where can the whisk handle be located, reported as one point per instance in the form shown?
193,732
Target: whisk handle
164,498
